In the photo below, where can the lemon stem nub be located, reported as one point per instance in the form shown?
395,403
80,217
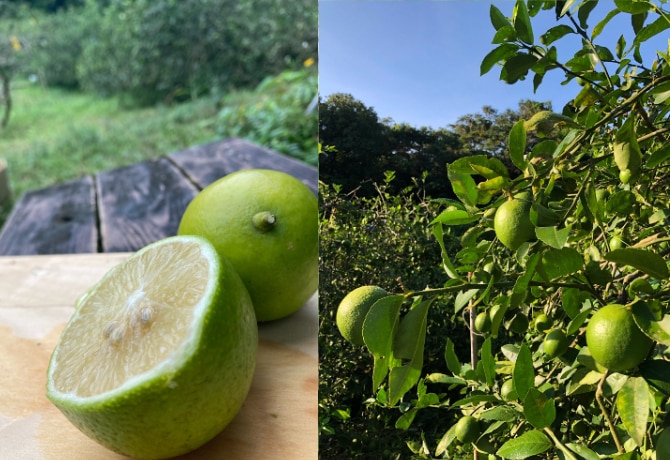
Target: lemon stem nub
264,221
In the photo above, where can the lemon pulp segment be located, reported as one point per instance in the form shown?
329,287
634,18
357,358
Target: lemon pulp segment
135,320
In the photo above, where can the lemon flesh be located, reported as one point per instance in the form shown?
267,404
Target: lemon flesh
266,223
159,355
614,340
512,223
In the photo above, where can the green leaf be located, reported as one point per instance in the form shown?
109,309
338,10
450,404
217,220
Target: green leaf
406,419
572,300
409,344
516,68
556,33
648,262
520,289
558,263
597,30
539,410
438,233
464,187
437,377
632,403
657,374
379,328
530,443
446,440
524,373
577,321
453,364
521,21
584,12
488,362
481,165
658,157
500,413
552,236
498,19
499,54
633,6
657,329
659,25
581,449
455,217
516,143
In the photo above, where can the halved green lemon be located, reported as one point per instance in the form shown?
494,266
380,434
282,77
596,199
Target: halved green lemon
159,355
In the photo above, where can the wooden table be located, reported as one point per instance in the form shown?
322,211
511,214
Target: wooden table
37,293
107,216
125,209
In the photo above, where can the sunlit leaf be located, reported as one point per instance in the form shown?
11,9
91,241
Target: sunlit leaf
648,262
552,236
527,445
632,403
521,21
516,143
656,328
379,328
455,217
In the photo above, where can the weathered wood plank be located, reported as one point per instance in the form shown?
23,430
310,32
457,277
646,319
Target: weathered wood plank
140,204
53,220
204,164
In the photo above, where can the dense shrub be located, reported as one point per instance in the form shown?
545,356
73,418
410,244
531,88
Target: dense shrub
167,50
54,45
375,240
276,114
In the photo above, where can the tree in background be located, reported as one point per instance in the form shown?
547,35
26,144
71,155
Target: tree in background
358,147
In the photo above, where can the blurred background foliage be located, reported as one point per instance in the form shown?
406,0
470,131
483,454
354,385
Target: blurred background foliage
97,84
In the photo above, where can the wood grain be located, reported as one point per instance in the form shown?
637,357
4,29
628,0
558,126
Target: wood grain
55,220
140,204
278,420
204,164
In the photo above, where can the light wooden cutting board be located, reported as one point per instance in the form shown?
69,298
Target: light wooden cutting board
37,293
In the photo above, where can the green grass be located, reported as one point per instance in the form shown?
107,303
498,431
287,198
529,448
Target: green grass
55,135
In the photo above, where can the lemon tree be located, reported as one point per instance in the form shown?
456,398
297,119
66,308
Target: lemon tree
159,356
576,235
266,223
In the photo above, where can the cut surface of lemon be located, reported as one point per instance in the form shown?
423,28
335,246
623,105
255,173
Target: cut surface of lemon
159,355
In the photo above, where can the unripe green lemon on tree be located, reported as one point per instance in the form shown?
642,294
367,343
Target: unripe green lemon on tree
467,429
555,343
352,311
543,322
614,340
483,322
519,323
266,224
512,223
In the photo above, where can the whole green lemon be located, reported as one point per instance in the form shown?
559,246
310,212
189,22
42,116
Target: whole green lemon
512,223
266,223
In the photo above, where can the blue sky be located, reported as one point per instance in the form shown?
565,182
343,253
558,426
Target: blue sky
417,62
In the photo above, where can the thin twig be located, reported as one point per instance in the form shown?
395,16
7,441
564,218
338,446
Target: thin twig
608,419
